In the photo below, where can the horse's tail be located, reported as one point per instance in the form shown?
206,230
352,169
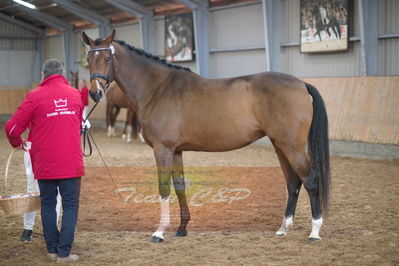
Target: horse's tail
318,149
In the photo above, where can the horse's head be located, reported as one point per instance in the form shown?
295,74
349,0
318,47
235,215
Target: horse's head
100,59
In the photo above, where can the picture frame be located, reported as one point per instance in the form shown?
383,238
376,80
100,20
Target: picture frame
179,38
324,26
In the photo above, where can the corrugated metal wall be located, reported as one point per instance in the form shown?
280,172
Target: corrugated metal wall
239,27
388,57
129,33
388,49
236,27
322,65
389,16
55,48
13,37
18,54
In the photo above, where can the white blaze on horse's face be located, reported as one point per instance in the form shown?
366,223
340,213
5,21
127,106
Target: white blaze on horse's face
100,88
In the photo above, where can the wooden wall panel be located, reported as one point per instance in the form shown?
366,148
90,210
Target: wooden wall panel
10,99
361,108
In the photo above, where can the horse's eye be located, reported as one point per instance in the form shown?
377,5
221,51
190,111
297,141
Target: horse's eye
107,59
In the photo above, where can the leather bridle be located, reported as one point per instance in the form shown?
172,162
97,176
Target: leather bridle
109,77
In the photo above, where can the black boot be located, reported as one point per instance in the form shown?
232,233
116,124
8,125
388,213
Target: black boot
26,236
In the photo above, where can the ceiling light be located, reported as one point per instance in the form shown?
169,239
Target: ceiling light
29,5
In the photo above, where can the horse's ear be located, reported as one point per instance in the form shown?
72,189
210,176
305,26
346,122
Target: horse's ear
110,38
87,40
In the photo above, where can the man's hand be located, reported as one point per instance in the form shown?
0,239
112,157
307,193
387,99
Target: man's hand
86,124
23,146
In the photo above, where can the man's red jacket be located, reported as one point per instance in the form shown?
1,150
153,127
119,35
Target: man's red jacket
53,113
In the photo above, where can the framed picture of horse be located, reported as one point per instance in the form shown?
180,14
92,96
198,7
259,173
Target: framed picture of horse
179,38
324,26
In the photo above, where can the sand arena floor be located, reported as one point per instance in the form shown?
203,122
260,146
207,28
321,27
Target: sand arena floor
236,201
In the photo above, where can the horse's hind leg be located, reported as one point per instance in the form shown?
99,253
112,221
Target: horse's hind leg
180,188
299,162
293,187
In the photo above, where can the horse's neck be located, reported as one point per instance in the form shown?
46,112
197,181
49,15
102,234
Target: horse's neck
138,77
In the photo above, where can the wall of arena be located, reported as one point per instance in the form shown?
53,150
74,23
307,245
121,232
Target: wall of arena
236,36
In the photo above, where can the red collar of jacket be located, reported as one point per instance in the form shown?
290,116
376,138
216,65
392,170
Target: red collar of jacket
54,79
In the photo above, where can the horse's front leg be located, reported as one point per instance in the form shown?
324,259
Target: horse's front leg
164,159
180,188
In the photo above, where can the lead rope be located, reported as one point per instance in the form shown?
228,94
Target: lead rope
86,137
105,164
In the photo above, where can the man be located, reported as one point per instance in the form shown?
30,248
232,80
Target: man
54,113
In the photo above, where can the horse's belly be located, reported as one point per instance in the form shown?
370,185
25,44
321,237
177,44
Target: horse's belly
221,141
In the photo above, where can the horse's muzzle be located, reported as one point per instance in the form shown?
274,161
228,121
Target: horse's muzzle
96,96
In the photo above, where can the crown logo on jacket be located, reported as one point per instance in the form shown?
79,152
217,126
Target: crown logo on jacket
60,103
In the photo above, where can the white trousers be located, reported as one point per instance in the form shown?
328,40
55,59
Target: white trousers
32,186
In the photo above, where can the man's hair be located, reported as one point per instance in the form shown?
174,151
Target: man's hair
52,67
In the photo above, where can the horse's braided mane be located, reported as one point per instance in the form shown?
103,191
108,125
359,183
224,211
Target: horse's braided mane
151,56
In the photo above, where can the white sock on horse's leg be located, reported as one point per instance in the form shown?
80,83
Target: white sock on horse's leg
165,218
129,133
109,132
316,225
287,224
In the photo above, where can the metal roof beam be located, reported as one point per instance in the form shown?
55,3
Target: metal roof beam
82,12
46,19
131,7
21,23
193,4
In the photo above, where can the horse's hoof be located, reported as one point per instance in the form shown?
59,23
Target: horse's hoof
155,239
281,233
181,233
313,239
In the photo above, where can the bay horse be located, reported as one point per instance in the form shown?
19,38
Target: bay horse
181,111
116,100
